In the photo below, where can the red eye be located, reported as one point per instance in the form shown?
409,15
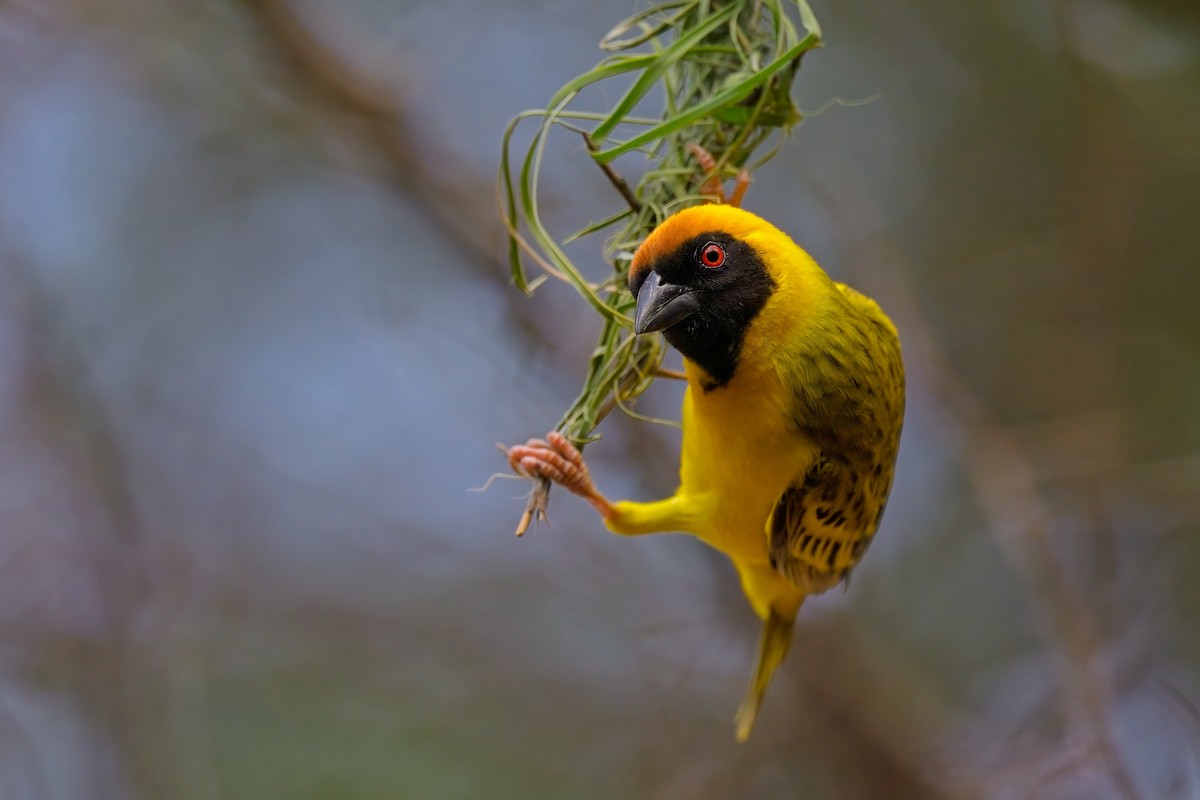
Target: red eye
712,255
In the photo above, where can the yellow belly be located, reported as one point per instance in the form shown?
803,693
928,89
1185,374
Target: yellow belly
740,451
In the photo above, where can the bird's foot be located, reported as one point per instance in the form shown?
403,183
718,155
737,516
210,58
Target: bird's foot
713,186
557,460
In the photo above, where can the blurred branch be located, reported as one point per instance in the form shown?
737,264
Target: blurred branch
63,412
851,680
1005,482
464,213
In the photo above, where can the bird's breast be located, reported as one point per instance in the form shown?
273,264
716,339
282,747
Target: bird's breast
740,451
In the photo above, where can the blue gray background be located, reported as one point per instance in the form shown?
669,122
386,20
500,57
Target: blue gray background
257,342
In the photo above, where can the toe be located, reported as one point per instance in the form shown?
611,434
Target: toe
541,467
517,455
562,445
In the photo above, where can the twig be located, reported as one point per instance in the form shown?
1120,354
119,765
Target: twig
613,176
535,507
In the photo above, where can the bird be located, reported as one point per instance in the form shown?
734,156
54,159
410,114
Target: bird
791,417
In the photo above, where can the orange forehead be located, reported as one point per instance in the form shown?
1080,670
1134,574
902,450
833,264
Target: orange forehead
678,229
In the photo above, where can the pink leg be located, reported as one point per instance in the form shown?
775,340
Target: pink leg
556,459
739,189
713,186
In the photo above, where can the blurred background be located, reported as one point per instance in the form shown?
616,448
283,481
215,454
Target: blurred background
257,343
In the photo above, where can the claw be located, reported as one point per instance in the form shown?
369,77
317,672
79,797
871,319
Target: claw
556,459
712,185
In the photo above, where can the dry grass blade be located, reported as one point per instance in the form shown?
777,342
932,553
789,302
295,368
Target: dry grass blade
725,71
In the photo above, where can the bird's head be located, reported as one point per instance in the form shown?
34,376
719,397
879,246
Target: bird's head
720,282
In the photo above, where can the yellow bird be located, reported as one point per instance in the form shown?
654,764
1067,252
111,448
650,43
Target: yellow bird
791,417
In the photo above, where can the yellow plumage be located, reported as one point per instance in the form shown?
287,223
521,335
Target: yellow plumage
790,433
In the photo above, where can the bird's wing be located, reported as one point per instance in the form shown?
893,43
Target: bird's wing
824,522
848,399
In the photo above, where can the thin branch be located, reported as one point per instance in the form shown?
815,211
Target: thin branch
385,127
613,176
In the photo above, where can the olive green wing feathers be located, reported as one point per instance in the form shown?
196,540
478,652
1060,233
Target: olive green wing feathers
849,402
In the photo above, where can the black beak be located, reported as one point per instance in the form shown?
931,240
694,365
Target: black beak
661,305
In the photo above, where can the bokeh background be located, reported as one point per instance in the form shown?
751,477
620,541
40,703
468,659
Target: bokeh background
257,343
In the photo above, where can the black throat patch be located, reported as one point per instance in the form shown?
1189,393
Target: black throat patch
730,298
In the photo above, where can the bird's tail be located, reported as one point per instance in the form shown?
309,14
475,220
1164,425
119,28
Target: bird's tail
773,645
